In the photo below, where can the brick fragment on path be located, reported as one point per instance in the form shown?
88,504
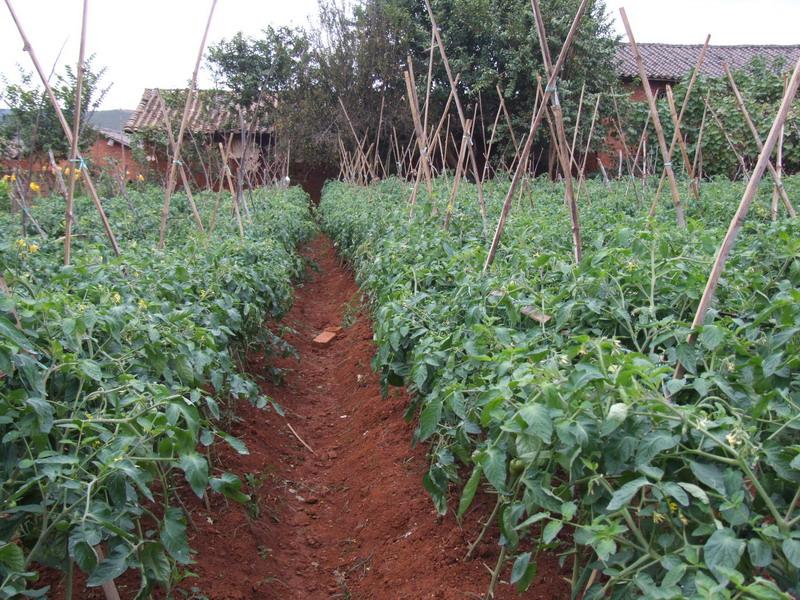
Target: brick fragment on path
333,329
324,339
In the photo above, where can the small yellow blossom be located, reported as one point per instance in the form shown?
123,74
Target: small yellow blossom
35,187
142,304
140,177
6,178
33,248
658,517
683,519
673,506
116,298
21,244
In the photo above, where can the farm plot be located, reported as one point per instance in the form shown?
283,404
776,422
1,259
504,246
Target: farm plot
115,373
551,385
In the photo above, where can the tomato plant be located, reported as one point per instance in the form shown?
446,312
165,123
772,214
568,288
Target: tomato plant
550,383
113,372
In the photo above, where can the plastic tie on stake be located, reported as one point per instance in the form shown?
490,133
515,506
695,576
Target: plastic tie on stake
80,162
177,162
667,165
551,89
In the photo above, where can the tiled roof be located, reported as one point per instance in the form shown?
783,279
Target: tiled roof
210,112
671,62
117,136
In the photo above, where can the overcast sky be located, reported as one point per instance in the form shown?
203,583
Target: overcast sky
149,43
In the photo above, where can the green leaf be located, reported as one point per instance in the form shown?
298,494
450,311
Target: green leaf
230,486
111,567
523,572
236,444
538,420
90,369
616,416
493,462
155,562
468,493
11,333
723,550
791,549
551,530
173,536
711,336
429,418
695,491
760,552
195,467
710,475
624,494
12,557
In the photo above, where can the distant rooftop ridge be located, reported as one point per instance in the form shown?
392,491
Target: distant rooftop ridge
672,62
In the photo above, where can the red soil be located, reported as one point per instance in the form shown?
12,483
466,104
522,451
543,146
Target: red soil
351,519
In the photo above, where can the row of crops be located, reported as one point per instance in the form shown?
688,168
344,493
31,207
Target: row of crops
117,376
550,385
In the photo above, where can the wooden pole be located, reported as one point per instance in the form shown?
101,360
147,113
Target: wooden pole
662,143
465,140
526,149
582,172
69,217
421,135
563,147
741,213
727,137
176,157
776,177
68,133
181,170
461,115
684,105
779,167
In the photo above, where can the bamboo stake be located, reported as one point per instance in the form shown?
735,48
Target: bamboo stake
741,213
422,138
757,138
76,127
488,152
378,140
563,147
681,142
465,140
779,167
355,136
522,163
227,171
577,127
176,156
662,143
173,148
62,187
68,134
699,151
728,139
582,172
684,105
461,116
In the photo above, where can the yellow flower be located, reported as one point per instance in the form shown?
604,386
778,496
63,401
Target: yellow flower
683,520
13,177
66,170
658,517
6,177
33,248
142,304
21,244
116,298
673,506
140,177
35,187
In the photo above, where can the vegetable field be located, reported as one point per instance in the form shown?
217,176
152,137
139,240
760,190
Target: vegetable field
549,385
118,375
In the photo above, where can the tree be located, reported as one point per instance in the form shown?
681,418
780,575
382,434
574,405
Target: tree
32,124
358,53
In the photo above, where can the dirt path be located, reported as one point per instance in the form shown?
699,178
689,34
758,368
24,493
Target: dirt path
351,520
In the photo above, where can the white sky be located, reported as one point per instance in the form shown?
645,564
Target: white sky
153,43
